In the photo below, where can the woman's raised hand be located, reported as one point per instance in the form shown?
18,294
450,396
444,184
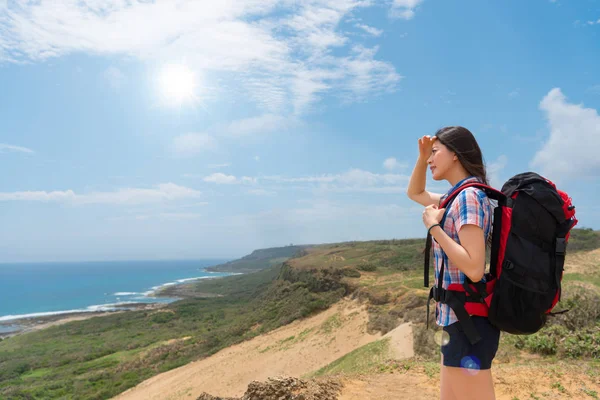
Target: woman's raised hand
425,145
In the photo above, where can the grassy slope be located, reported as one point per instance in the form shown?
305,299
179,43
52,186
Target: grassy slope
103,356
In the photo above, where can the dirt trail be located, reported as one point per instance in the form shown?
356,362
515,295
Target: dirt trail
559,381
293,350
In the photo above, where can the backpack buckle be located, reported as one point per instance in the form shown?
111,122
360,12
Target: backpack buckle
561,246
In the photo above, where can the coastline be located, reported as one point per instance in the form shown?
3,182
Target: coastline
180,289
31,324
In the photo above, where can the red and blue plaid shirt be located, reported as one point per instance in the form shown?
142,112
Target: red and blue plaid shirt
471,206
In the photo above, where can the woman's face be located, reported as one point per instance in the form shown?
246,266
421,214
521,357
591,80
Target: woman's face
441,161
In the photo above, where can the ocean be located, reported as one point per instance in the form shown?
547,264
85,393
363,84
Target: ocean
40,289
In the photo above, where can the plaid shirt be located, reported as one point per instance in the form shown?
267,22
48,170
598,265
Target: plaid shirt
471,206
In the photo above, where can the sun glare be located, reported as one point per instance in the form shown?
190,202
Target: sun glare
178,84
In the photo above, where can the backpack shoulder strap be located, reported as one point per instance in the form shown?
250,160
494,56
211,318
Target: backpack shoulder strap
489,191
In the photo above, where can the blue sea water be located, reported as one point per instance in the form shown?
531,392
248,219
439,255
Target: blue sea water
37,289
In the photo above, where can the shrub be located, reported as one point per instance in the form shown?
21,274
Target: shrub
351,273
162,317
584,309
424,342
381,321
584,343
367,267
584,239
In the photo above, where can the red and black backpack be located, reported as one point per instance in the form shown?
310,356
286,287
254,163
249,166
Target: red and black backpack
530,231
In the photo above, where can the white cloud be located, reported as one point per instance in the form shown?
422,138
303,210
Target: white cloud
193,143
354,180
67,195
404,9
494,171
515,93
221,179
129,196
277,53
365,75
115,77
370,30
391,164
17,149
571,149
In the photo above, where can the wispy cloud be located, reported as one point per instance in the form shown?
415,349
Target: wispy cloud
370,30
130,196
391,164
571,148
404,9
354,180
16,149
223,179
276,52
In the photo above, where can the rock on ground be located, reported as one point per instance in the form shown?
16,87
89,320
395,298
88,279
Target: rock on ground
287,388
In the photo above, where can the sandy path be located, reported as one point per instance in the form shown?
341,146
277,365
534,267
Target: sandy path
317,341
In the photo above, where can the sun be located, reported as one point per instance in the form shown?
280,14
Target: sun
178,84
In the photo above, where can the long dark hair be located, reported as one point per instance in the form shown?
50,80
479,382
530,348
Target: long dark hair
462,142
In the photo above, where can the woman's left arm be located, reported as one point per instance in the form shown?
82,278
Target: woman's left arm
469,255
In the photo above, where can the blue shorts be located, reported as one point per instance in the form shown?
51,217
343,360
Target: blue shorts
459,352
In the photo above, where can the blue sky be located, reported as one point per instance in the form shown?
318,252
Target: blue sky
297,122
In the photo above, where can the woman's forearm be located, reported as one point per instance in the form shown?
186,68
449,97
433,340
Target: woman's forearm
416,184
459,256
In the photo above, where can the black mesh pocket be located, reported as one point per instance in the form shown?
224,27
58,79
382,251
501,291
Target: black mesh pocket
517,309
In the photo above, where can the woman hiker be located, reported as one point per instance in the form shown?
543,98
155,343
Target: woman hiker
453,155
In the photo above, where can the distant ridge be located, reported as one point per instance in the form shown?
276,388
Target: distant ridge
260,259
